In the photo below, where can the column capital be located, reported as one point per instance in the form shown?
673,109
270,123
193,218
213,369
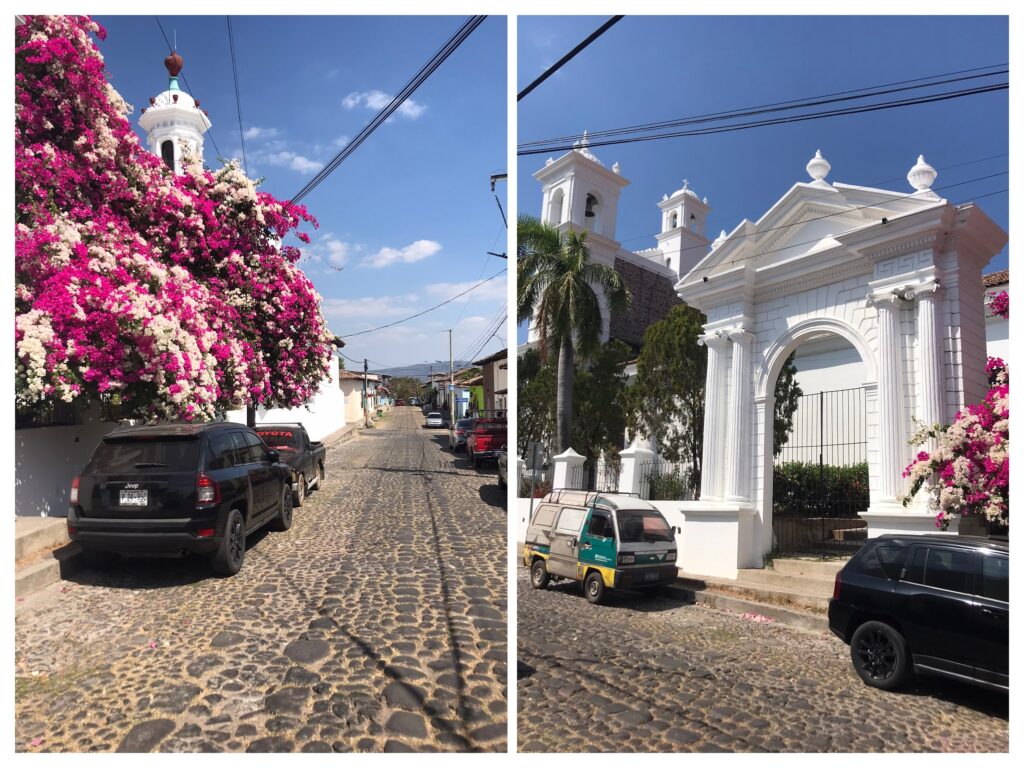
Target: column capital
715,339
739,333
930,290
889,297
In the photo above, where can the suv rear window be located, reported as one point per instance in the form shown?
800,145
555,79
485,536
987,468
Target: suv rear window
995,578
942,568
885,562
133,454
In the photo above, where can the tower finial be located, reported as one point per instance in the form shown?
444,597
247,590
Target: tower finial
174,63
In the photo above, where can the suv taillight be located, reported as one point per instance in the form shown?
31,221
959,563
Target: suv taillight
836,587
207,491
74,491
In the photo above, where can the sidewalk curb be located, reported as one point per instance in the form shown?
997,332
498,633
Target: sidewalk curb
807,622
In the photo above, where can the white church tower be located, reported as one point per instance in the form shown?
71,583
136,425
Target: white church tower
174,120
683,240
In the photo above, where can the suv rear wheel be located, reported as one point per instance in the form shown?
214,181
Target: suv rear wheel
879,655
230,555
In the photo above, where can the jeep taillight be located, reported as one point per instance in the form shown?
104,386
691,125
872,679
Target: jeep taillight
74,491
836,588
207,491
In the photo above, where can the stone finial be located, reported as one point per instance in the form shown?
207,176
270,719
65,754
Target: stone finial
818,167
922,175
549,161
617,169
174,63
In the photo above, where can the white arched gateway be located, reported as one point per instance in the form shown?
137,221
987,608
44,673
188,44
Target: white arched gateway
897,276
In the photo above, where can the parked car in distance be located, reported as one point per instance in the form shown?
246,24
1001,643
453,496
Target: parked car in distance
926,604
303,456
179,488
434,420
485,440
399,401
605,540
457,435
503,468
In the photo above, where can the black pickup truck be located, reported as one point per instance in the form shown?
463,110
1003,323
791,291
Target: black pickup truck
303,456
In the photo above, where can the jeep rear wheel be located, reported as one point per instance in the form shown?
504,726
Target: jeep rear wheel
230,555
879,655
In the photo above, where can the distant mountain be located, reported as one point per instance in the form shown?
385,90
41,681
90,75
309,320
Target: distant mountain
419,371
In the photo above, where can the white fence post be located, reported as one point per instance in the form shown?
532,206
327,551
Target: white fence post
565,464
631,475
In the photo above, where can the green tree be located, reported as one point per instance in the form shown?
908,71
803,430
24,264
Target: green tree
535,386
599,413
787,397
405,387
666,402
557,284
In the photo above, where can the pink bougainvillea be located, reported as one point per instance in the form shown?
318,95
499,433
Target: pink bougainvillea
968,473
170,295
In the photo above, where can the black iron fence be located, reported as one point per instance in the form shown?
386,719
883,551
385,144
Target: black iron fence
602,476
820,477
662,480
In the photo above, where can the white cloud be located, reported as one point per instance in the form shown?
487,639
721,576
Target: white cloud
370,308
289,159
341,141
495,290
255,132
414,252
332,251
377,100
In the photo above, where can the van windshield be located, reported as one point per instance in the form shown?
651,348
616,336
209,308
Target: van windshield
636,525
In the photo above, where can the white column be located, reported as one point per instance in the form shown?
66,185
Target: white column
737,448
567,469
931,378
711,470
892,428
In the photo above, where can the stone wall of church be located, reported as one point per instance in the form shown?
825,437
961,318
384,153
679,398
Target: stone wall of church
653,296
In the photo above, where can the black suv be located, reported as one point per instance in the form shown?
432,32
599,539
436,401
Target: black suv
179,488
930,604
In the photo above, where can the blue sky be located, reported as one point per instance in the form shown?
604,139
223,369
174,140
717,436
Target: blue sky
406,221
646,69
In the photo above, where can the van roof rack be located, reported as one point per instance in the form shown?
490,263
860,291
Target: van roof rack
591,496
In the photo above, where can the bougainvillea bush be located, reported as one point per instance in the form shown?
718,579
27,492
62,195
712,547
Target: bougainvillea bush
169,295
968,473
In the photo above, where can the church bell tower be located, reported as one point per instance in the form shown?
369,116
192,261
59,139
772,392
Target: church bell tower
174,121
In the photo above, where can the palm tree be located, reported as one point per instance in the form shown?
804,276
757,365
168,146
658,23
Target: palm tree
556,286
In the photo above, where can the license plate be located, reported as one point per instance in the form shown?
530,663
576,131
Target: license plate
651,576
134,498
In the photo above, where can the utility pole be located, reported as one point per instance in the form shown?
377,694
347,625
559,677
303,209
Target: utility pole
366,410
451,380
430,389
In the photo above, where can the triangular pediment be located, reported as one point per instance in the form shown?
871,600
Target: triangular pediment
803,222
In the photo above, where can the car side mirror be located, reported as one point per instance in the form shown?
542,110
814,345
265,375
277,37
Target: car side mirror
275,456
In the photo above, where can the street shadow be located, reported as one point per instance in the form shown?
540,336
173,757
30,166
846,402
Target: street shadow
653,600
493,495
962,694
154,572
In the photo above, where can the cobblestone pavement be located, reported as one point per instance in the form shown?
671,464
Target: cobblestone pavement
377,622
650,674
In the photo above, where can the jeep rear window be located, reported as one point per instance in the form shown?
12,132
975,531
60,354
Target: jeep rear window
885,562
641,525
145,454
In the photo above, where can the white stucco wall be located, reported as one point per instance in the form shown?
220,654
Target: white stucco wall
45,461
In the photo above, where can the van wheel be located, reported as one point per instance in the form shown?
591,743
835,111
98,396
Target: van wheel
230,555
879,655
283,521
299,496
593,587
539,576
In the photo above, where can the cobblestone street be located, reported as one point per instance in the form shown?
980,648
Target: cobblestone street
376,623
652,674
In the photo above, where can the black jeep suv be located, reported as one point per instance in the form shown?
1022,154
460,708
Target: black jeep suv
930,604
179,488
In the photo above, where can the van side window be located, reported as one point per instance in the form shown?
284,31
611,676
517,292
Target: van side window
995,578
941,568
601,525
570,520
545,515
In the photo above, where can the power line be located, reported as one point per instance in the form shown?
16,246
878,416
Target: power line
493,330
485,333
418,79
209,132
568,57
808,101
425,311
238,98
783,120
